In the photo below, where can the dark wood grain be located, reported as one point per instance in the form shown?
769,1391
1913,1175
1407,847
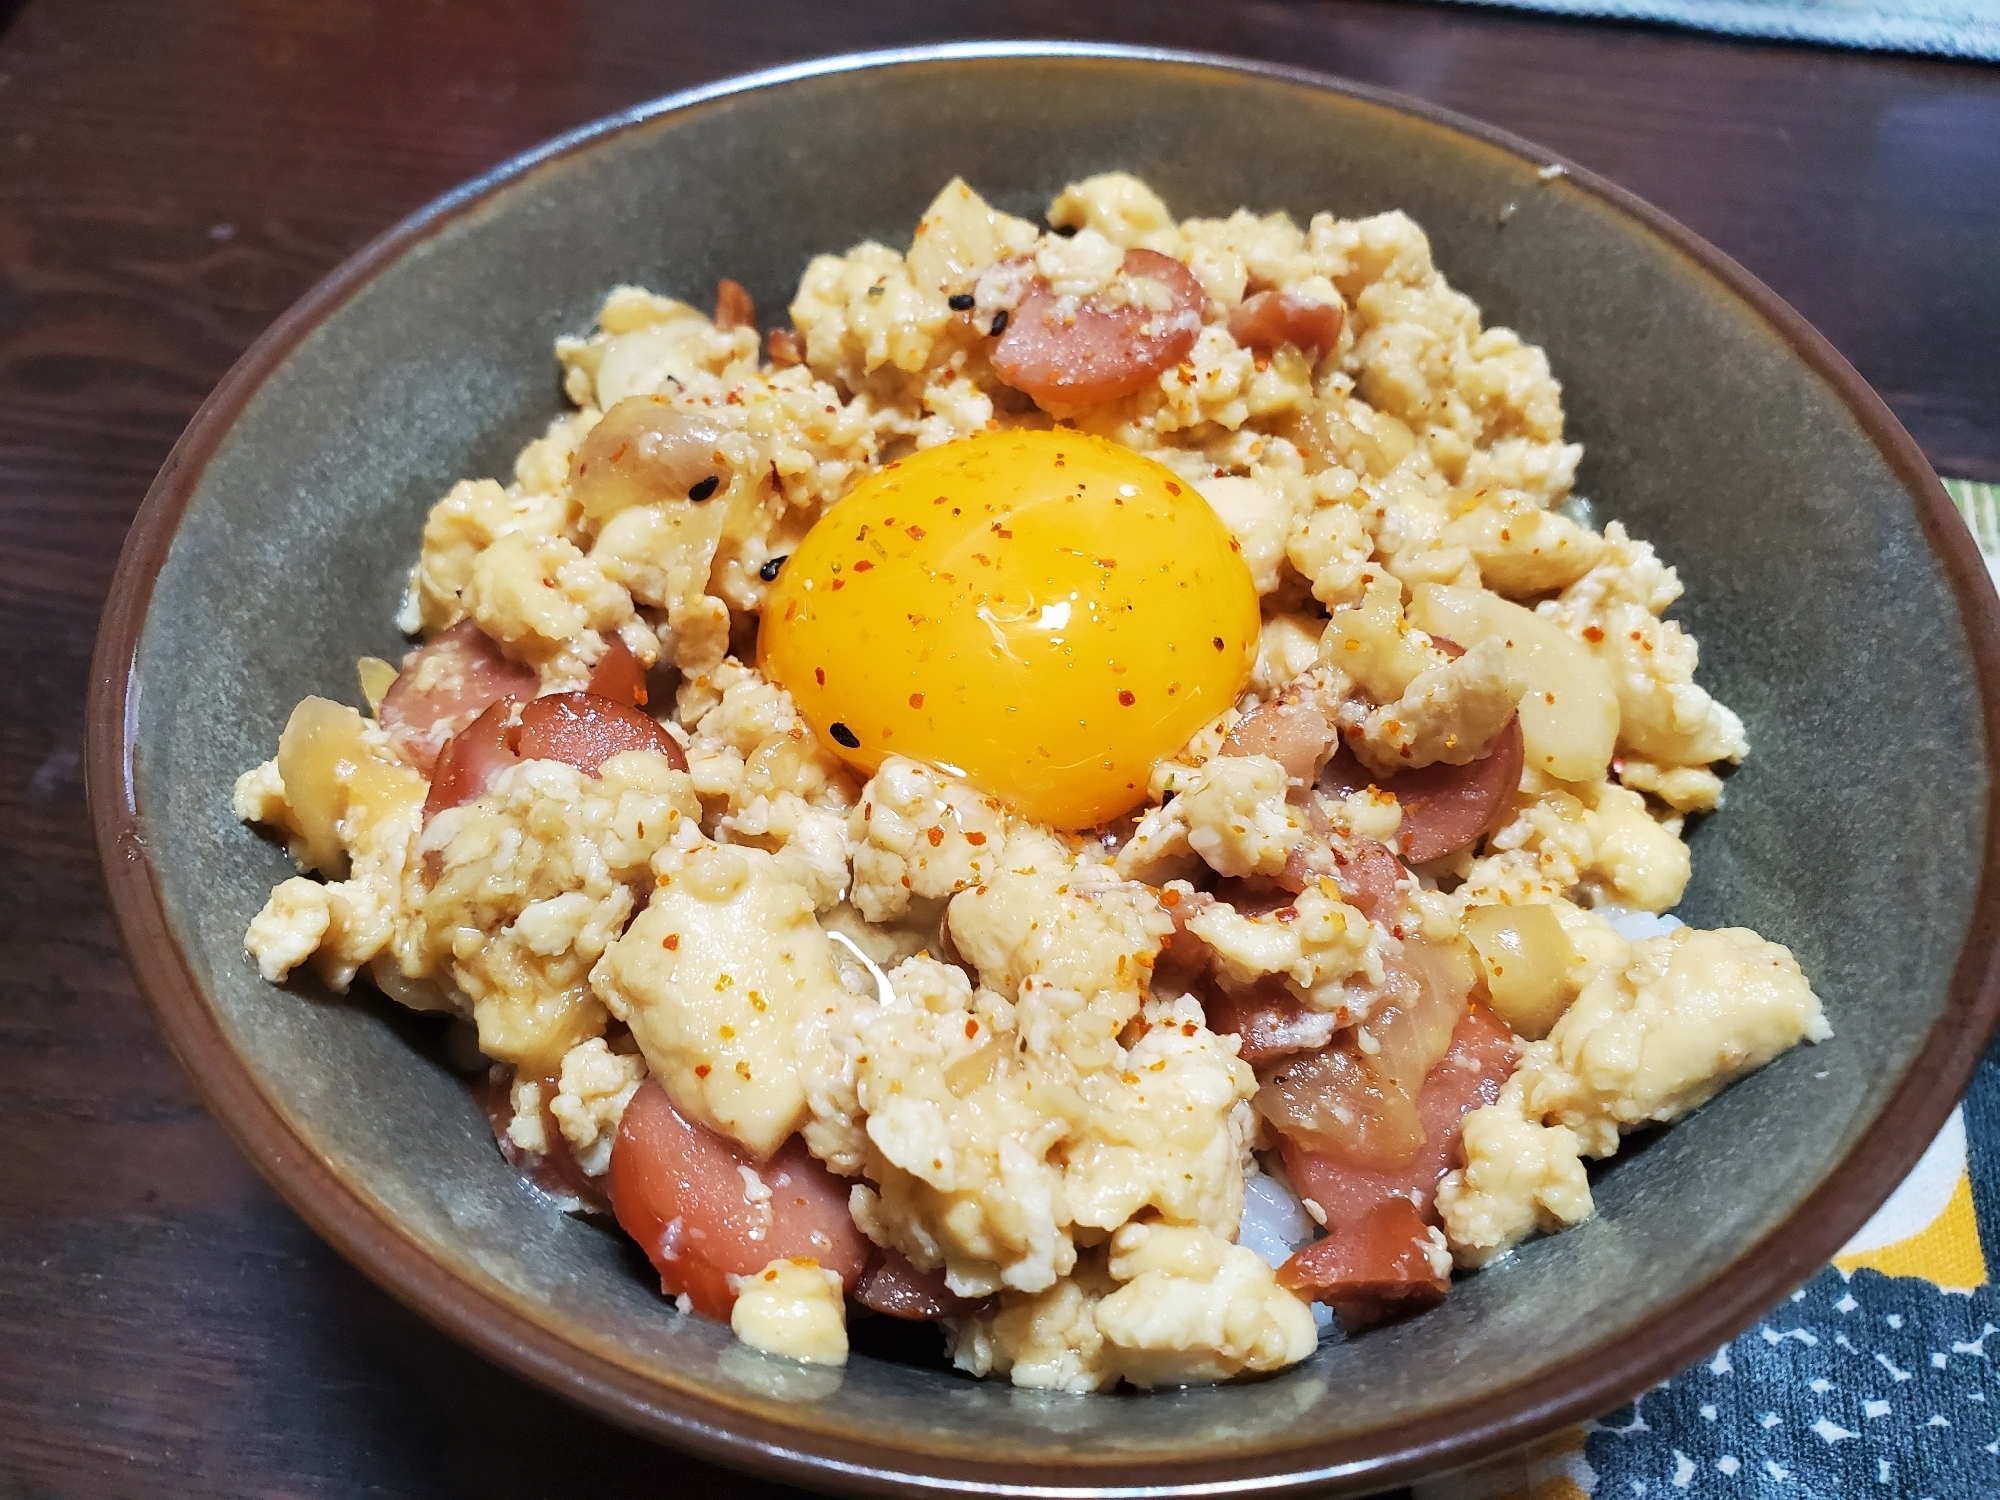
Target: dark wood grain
171,176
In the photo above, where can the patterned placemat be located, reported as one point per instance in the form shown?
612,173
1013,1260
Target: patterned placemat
1947,28
1876,1378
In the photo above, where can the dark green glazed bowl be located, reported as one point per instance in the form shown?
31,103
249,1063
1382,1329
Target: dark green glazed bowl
1839,605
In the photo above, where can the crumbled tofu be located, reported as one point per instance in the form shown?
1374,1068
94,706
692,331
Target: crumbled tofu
1232,812
591,1095
545,602
793,1309
917,834
1449,712
288,930
1176,1306
719,1019
1316,943
525,1127
1520,1178
1650,1040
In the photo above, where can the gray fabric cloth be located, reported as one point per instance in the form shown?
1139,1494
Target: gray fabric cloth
1949,28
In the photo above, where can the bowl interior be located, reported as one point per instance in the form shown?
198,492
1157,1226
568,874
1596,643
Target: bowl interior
1824,618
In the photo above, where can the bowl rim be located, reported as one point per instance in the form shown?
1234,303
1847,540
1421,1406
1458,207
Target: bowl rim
504,1331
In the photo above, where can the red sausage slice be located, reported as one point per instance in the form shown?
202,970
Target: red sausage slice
445,684
584,730
1481,1059
1272,318
680,1191
578,729
473,759
1368,876
1295,732
1093,351
897,1289
1269,1020
1371,1270
619,675
1445,808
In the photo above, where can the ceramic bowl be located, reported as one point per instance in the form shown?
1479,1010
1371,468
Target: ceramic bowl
1840,608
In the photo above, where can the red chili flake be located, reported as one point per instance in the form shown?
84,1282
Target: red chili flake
916,700
839,584
863,566
1170,899
1217,643
1172,488
1002,532
1188,1028
1107,562
971,1027
1593,634
671,941
819,676
701,1070
1125,697
935,835
915,533
975,839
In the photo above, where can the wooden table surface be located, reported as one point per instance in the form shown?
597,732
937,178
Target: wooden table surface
173,175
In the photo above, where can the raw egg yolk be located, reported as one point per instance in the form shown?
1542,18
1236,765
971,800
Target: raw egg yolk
1045,613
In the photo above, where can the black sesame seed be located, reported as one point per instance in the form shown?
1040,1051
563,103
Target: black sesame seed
705,488
959,301
999,323
769,572
845,736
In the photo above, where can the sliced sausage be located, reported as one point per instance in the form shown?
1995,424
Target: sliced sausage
1370,879
444,685
1292,730
1372,1269
584,730
897,1289
682,1192
1445,808
473,759
1270,319
1481,1059
1269,1020
619,675
1094,350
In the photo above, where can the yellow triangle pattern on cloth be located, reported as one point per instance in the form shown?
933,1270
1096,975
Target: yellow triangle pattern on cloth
1927,1228
1945,1252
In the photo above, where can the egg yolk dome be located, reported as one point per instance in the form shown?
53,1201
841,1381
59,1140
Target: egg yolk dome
1046,613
